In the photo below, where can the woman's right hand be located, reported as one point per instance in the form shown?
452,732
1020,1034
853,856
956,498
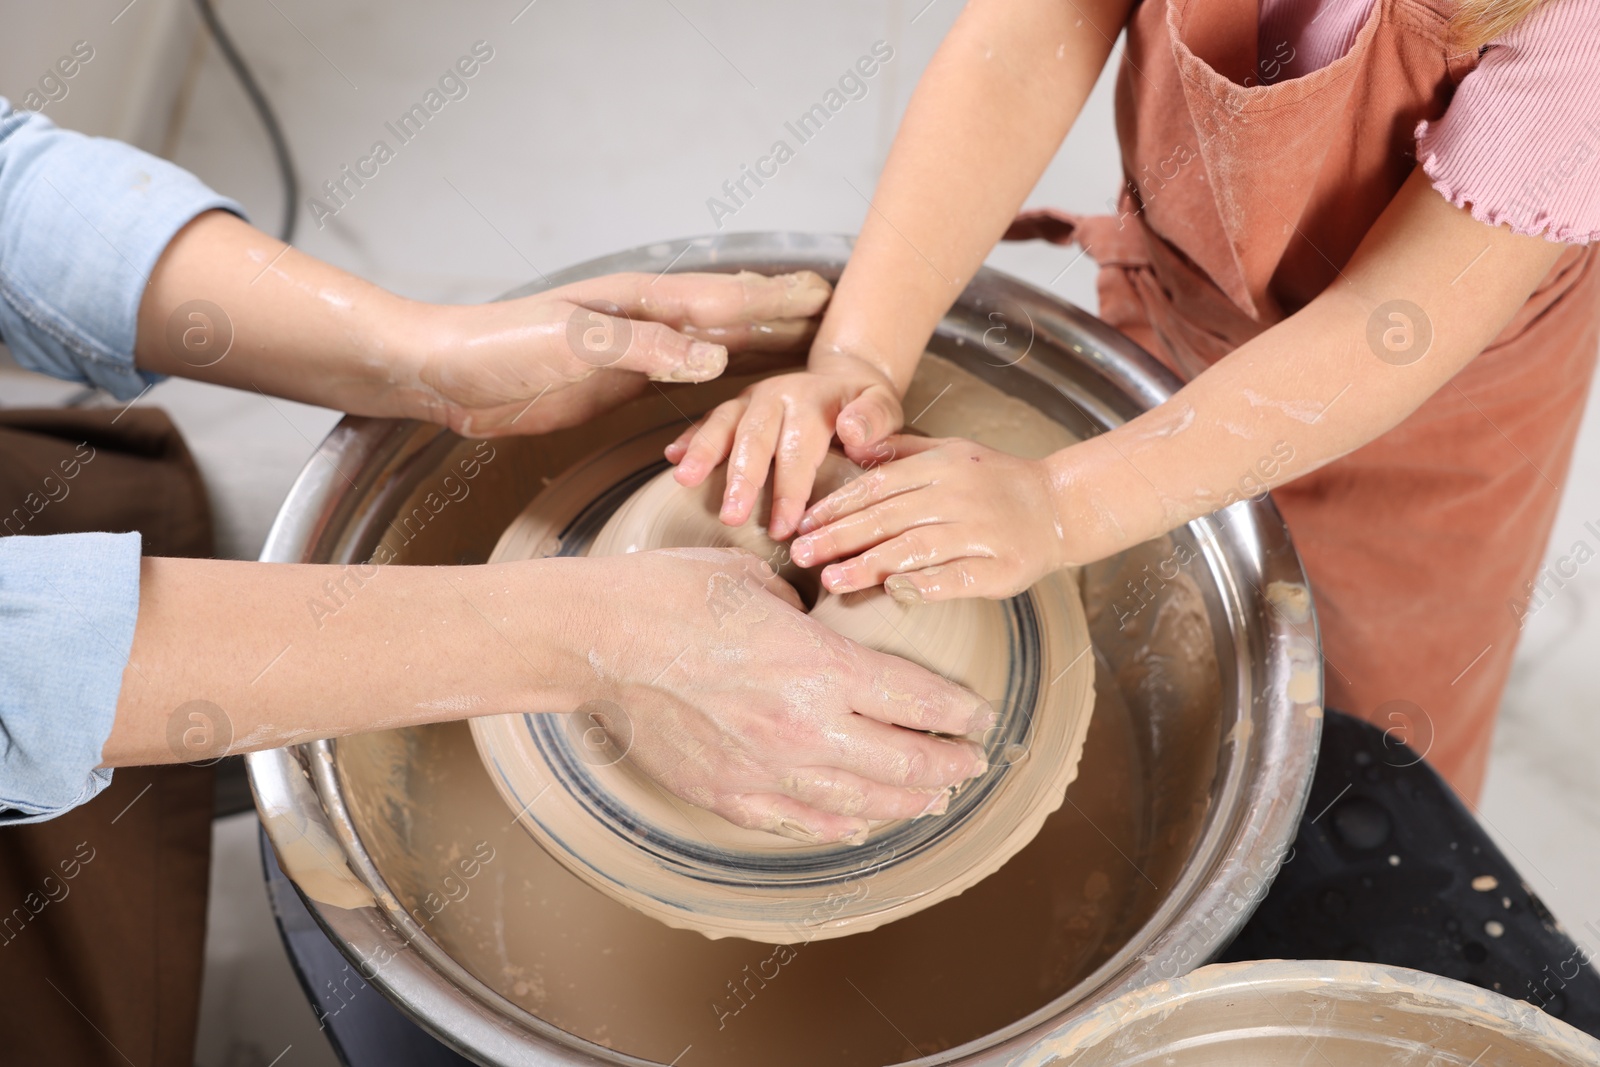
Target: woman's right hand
736,701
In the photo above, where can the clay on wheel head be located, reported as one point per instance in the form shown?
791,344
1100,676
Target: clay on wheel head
957,638
616,829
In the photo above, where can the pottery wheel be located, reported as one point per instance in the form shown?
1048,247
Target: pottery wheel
584,801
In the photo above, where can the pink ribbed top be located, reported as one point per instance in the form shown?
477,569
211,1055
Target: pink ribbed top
1520,141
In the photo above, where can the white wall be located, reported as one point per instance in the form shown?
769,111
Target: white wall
127,89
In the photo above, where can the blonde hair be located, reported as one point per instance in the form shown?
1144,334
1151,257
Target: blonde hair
1477,22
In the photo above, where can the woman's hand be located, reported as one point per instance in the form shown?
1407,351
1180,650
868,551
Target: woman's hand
554,359
946,518
738,702
227,304
786,423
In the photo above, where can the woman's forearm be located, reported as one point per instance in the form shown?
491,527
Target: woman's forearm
1314,387
291,652
676,655
228,304
994,105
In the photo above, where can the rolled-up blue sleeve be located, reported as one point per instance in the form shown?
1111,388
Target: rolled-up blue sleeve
68,604
82,222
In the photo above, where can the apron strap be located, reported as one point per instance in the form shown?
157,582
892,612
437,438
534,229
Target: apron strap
1109,240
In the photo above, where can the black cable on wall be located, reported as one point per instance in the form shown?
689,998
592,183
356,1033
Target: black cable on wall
258,100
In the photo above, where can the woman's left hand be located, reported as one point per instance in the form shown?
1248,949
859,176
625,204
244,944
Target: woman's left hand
555,359
945,518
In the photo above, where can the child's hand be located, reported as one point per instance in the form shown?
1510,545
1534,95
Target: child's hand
946,518
787,423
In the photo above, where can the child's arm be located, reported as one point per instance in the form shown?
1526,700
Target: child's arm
994,105
956,519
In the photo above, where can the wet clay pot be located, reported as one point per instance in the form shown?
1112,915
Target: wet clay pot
1194,772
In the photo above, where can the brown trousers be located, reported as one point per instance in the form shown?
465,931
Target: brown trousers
103,909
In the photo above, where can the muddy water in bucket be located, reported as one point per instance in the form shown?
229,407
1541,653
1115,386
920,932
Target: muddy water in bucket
478,886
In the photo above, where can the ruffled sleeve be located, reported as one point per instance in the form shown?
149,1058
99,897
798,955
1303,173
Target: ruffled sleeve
1519,144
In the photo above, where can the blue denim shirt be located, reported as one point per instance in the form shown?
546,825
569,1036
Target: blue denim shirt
82,222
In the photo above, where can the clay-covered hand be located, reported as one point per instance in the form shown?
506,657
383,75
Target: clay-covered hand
735,700
785,424
554,359
945,518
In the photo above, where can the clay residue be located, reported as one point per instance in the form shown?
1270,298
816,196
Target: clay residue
1305,671
306,850
1291,598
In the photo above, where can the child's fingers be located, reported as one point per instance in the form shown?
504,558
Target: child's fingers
960,578
676,450
864,529
898,446
708,444
914,550
861,492
801,450
869,418
754,441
